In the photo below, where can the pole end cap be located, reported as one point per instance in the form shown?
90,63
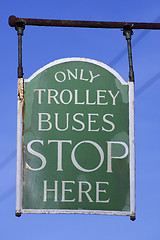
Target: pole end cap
12,21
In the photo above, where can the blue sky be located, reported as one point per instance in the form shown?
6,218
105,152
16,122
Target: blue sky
42,45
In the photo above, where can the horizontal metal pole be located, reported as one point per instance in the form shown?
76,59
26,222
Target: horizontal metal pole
13,21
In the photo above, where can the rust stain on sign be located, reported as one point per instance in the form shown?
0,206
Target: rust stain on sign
21,89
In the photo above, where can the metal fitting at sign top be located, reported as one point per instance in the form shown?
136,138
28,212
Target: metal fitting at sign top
127,32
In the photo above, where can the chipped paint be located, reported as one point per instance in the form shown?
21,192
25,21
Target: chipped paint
64,211
20,111
20,89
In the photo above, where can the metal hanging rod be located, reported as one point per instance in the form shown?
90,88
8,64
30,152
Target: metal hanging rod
14,21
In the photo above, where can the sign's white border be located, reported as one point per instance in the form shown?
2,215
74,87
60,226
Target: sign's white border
19,209
96,212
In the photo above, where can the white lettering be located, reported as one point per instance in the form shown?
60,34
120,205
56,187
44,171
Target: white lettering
56,122
76,97
54,96
71,74
50,190
87,99
78,121
84,191
63,77
75,161
81,76
70,96
98,191
39,94
100,96
37,154
113,97
109,122
92,121
110,157
66,190
44,121
92,77
59,167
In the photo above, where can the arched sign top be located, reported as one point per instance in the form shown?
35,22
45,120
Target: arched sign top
76,59
77,140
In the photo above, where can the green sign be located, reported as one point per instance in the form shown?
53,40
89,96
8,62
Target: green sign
77,140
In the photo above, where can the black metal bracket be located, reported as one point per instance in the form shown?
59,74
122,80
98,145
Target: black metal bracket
127,32
20,26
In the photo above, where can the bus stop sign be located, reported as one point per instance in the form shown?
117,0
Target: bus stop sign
76,140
